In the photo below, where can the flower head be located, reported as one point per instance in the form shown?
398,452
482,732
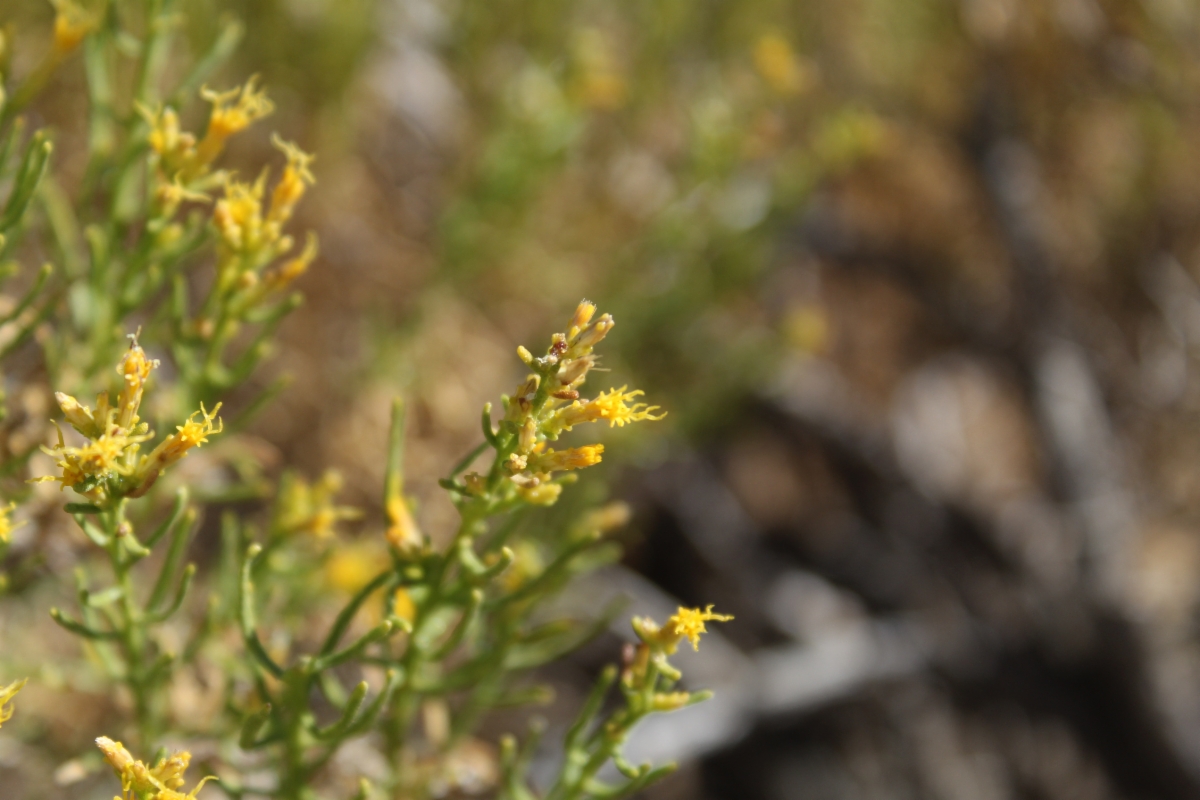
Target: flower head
134,369
685,623
192,433
309,508
402,531
137,779
296,176
6,695
238,215
689,623
572,458
612,407
91,470
281,277
232,111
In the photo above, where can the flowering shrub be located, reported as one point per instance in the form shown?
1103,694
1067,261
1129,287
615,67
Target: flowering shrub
161,238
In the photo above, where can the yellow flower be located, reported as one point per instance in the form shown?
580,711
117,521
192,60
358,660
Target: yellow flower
582,316
105,457
166,137
290,189
403,605
6,695
573,458
402,531
170,194
611,406
134,368
232,111
71,24
238,215
306,508
527,564
80,417
352,566
587,337
6,523
281,276
163,779
192,433
689,623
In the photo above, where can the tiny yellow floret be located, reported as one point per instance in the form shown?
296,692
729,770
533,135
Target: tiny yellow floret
134,368
296,176
402,531
232,111
689,623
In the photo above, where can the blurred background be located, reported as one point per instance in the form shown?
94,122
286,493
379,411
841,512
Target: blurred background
917,281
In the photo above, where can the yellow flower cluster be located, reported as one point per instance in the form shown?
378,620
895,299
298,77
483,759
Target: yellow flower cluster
141,782
250,228
108,467
181,158
548,404
7,693
309,508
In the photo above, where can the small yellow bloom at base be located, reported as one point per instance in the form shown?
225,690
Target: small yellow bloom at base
689,623
232,111
6,695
